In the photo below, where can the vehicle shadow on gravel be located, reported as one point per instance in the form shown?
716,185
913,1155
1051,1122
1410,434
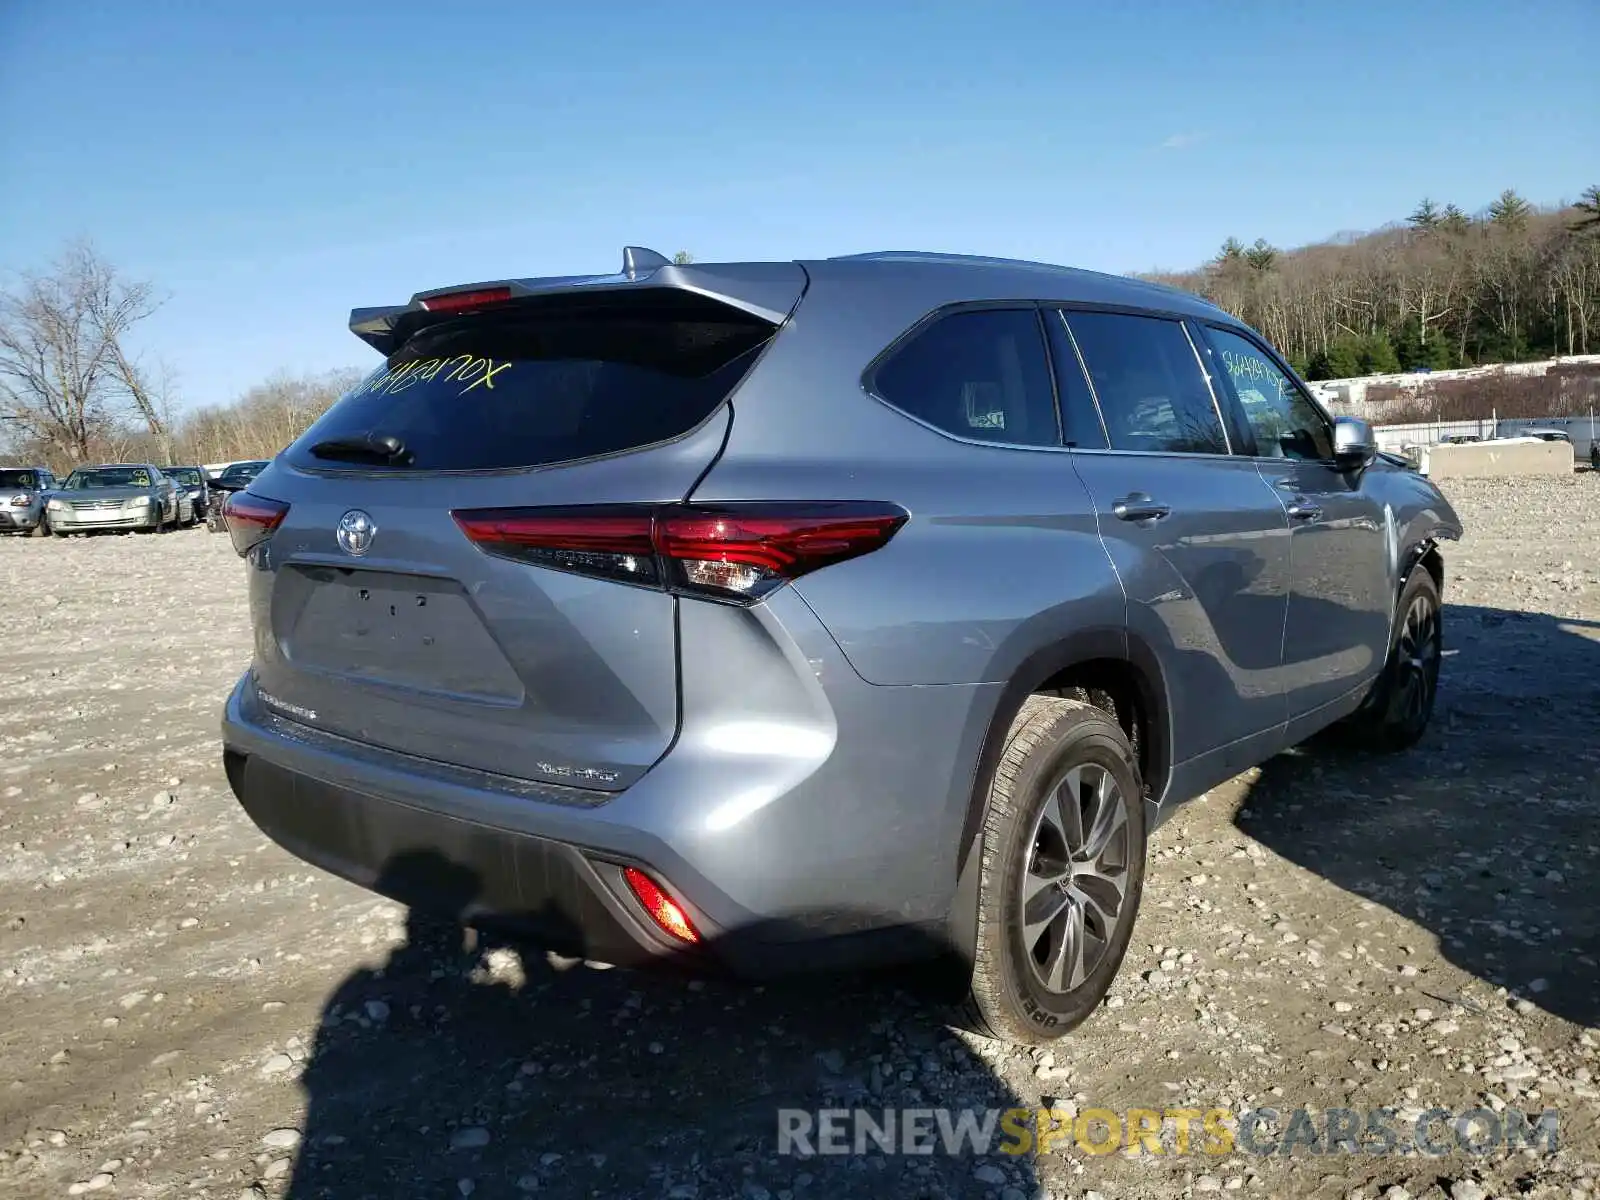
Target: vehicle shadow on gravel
1484,833
488,1070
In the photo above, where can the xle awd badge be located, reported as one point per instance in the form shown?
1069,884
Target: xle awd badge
356,531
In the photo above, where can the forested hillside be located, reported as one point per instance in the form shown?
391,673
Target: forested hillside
1441,289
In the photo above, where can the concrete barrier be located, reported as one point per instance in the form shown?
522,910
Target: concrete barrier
1478,460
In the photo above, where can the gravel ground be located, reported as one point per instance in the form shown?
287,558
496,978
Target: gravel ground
189,1011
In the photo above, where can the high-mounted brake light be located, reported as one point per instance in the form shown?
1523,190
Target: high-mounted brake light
251,519
663,909
734,551
450,302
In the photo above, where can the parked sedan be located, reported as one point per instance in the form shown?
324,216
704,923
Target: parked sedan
22,499
193,483
116,496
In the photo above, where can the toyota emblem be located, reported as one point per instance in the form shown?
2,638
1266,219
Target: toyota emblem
356,531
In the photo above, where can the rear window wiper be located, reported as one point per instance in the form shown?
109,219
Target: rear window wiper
380,449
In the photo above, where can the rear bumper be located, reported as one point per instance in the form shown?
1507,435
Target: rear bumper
546,890
808,823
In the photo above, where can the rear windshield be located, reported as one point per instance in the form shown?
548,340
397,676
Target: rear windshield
545,382
18,479
188,475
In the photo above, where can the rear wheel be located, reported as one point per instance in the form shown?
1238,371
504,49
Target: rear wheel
1062,871
1397,713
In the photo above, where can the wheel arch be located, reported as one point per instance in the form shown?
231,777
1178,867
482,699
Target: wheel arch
1096,665
1426,553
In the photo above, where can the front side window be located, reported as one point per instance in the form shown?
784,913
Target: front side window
977,374
1152,392
1284,422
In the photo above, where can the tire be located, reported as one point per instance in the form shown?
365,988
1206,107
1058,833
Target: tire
1396,714
1056,744
42,529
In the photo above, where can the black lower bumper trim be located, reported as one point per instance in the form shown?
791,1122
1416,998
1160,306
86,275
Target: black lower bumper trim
545,891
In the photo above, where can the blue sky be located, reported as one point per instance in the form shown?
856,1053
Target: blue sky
270,166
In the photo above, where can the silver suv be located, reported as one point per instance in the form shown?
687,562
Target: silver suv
772,616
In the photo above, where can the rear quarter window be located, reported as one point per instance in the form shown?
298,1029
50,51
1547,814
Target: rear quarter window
536,384
978,374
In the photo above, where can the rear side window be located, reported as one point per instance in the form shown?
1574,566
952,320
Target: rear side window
976,374
1152,392
547,382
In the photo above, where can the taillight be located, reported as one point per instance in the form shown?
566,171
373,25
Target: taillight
465,301
733,551
663,909
611,542
251,519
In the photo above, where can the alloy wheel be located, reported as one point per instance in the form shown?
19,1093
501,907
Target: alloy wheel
1075,882
1417,661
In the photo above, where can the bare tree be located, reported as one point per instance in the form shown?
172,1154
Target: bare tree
264,420
63,365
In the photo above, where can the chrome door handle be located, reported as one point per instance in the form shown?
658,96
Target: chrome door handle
1139,507
1304,510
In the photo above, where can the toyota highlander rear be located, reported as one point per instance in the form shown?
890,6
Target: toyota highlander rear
493,626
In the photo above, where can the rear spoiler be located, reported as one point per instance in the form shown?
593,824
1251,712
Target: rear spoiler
768,291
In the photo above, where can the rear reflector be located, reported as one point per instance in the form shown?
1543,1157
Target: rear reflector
663,909
450,302
734,551
251,519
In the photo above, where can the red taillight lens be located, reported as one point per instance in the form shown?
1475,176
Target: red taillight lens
748,550
251,519
610,542
663,909
725,551
451,302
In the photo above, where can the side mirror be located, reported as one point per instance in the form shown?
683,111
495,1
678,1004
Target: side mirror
1354,444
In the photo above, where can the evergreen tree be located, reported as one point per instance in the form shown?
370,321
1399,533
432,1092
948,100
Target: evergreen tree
1344,358
1454,221
1509,209
683,258
1427,216
1377,356
1232,251
1260,256
1588,207
1412,350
